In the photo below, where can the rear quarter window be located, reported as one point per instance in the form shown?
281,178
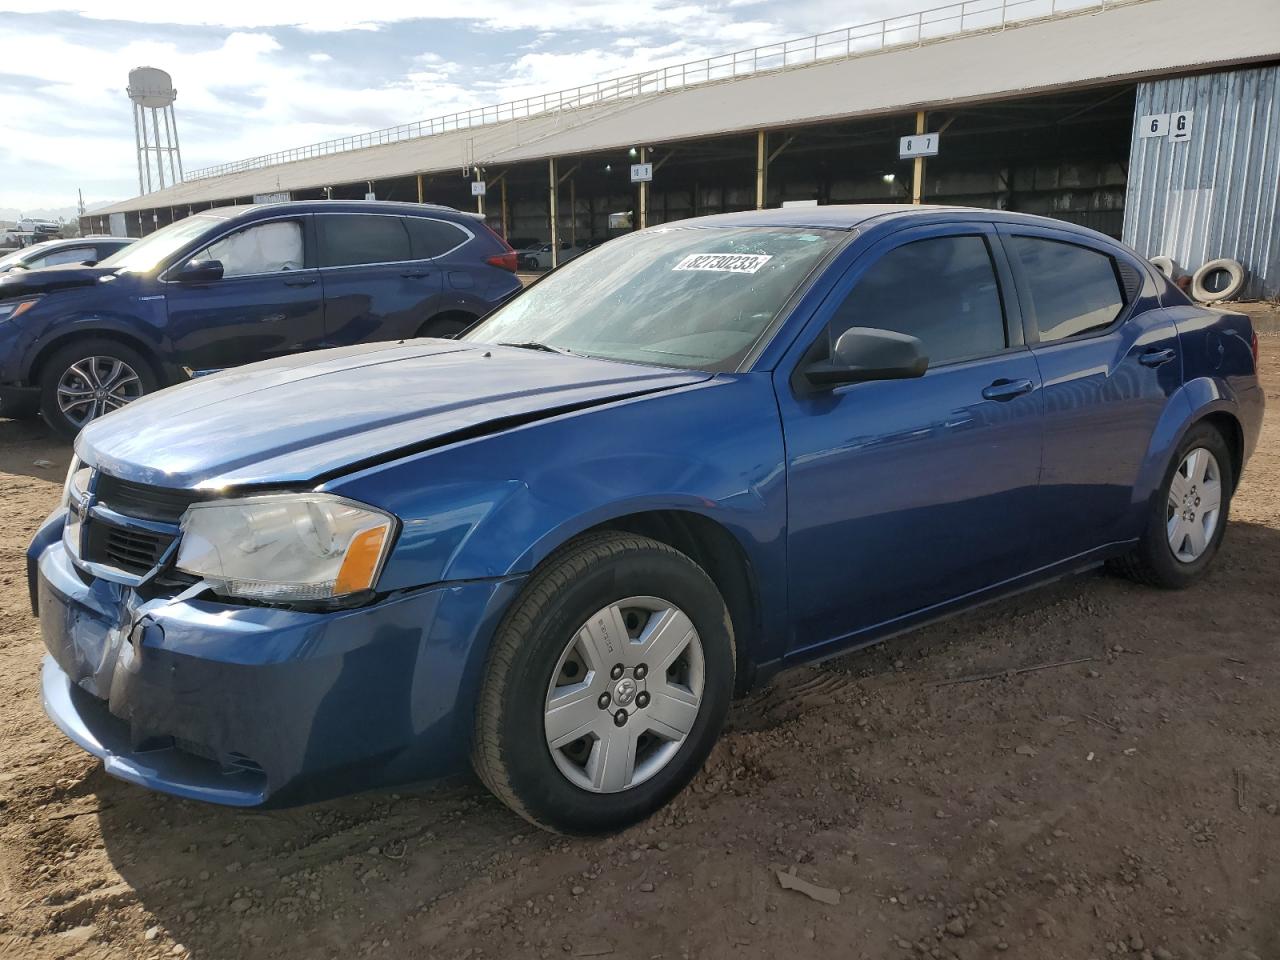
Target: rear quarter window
434,238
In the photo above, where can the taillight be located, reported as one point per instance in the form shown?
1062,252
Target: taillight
507,261
1253,345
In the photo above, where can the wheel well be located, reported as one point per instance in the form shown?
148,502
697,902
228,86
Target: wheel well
463,316
53,346
718,552
1233,434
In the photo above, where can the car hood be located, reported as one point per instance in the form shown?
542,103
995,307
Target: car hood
304,418
18,283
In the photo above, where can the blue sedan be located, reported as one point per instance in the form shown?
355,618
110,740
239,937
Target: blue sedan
556,548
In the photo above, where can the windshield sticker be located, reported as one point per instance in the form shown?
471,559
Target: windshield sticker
724,262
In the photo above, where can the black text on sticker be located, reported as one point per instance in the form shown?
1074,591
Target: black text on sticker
724,262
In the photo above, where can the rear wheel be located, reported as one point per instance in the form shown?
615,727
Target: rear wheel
1188,517
607,685
86,380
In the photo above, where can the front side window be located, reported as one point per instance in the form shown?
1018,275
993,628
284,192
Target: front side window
697,297
1073,289
349,239
264,248
942,291
73,255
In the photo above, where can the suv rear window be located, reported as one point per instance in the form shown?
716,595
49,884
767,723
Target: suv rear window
353,238
1073,289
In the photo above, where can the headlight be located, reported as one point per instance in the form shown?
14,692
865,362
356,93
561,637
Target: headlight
74,492
285,547
16,308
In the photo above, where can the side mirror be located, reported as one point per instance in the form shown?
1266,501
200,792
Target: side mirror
199,271
865,353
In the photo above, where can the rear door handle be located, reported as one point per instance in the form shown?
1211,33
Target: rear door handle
301,282
415,276
1153,358
1004,390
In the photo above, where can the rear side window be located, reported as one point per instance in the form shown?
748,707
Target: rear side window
942,291
1073,289
348,239
434,238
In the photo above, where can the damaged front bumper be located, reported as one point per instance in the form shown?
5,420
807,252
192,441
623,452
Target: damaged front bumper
248,705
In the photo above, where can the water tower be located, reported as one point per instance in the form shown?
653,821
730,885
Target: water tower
151,91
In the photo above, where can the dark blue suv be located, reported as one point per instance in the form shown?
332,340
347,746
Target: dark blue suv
238,284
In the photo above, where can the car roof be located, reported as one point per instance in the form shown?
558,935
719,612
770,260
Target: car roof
336,206
854,215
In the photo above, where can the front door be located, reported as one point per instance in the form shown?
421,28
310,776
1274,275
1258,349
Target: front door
267,304
904,494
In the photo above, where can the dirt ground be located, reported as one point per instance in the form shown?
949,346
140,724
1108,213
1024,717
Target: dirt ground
1122,806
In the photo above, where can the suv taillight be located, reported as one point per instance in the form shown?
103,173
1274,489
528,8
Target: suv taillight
507,261
1253,345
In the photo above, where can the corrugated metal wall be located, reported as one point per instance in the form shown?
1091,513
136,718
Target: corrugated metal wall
1214,195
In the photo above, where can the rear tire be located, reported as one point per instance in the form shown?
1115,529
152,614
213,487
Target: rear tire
89,378
565,610
1174,514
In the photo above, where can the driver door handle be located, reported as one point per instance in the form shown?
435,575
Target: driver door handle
301,282
1004,390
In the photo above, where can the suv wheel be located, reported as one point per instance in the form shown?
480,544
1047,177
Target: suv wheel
84,381
607,685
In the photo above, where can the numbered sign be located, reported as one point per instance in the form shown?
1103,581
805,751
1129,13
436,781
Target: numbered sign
919,145
477,188
1180,125
1153,125
641,172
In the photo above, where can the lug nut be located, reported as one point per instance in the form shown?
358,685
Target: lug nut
642,699
616,672
604,701
641,670
620,718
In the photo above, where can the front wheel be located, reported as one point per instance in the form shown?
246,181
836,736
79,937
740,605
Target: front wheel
607,685
86,380
1188,515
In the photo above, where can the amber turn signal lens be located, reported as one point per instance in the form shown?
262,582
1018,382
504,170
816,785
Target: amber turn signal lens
360,565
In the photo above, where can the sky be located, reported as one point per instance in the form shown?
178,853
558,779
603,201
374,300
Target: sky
255,77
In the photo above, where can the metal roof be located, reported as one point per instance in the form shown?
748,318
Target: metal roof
1120,41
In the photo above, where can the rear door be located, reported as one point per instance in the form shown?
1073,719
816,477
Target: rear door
1109,360
376,287
905,494
267,303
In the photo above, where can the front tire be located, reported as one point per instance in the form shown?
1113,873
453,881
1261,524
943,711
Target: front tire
1188,515
607,685
88,379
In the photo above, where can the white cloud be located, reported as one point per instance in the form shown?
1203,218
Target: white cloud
242,93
